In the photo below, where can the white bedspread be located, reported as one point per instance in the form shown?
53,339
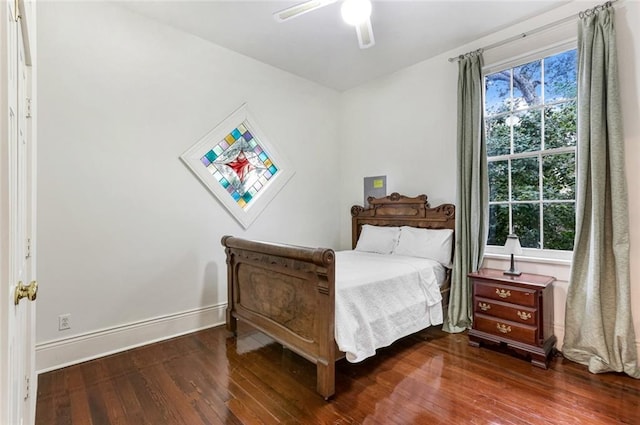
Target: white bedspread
381,298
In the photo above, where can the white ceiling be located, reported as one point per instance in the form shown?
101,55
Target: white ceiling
320,47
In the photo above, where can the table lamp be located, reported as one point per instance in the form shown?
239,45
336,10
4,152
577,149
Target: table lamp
512,246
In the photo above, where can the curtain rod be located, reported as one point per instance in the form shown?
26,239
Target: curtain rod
533,31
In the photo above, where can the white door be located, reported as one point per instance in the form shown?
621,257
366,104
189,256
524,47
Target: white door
17,377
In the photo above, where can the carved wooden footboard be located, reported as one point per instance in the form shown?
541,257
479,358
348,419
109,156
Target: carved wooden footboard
288,292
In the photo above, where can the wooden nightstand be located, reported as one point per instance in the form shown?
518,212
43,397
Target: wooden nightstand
514,310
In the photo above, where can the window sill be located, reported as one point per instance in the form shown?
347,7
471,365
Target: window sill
556,267
530,259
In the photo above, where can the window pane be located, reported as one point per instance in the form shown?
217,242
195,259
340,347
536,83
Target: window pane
560,76
527,89
498,180
498,137
524,179
559,226
526,224
526,131
497,92
559,176
560,125
498,224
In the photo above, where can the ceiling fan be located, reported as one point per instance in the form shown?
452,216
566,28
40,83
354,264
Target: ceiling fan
354,12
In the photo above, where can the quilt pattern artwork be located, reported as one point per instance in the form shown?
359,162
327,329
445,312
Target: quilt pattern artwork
239,166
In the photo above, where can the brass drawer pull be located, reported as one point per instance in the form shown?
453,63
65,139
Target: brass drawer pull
484,306
502,293
524,315
505,329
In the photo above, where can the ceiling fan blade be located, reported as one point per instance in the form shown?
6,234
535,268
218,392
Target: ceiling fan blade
365,34
300,9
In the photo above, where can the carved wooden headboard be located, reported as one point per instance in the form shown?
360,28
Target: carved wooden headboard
400,210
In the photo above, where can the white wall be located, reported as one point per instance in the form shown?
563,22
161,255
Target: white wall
404,126
628,36
129,239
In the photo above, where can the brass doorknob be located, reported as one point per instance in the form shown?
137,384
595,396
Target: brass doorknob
30,291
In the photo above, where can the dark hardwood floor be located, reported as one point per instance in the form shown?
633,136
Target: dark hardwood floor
209,377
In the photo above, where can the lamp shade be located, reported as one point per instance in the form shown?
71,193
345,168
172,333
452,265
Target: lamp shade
512,245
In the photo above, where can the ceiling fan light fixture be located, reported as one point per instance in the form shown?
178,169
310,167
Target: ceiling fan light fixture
355,12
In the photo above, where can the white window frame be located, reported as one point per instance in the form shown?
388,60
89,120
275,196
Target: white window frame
539,255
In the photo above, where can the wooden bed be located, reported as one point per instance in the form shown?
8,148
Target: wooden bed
288,292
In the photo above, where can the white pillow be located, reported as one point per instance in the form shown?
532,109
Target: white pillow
435,244
378,239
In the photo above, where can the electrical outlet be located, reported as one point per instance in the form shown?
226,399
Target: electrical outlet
64,322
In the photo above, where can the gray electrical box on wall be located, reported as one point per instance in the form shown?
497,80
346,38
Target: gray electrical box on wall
374,186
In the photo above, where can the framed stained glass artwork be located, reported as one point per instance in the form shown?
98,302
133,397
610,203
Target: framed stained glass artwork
239,165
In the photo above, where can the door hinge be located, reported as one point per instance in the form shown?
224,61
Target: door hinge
29,102
16,10
28,253
27,385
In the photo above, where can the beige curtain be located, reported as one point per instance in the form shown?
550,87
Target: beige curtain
598,324
472,201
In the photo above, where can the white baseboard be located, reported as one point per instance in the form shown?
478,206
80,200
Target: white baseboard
64,352
558,331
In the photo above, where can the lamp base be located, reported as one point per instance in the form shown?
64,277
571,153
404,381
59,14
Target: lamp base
512,270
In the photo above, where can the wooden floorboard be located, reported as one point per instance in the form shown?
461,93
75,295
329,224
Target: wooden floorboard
432,377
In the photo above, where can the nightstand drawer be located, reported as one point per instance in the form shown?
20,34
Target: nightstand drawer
506,329
498,309
510,294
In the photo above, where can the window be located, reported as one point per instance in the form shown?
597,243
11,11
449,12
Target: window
530,127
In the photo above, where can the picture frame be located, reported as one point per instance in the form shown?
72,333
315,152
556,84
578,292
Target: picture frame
239,165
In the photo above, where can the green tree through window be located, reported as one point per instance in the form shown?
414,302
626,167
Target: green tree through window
530,125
